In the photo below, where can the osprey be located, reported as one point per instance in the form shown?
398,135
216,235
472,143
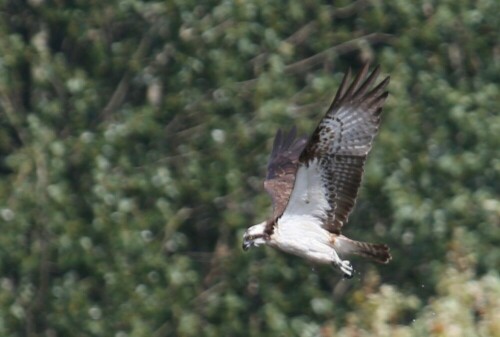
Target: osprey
313,182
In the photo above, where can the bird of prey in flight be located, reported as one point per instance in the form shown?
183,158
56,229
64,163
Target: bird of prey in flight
313,181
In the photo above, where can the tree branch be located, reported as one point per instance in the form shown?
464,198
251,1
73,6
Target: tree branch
340,49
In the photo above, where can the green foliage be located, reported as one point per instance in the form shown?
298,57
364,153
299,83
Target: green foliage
133,142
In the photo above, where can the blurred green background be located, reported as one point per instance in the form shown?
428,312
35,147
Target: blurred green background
134,137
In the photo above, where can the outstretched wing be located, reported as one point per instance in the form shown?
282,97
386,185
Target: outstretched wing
331,165
282,168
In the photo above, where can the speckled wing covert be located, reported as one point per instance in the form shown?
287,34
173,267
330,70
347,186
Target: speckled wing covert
339,145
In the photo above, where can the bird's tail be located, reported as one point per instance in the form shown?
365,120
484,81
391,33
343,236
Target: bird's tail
376,252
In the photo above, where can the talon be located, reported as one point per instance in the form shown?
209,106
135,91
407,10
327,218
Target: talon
347,269
344,266
348,276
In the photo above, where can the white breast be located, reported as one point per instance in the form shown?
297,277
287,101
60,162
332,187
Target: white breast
303,236
299,231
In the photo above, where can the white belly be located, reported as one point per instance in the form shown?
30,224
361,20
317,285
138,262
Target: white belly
304,237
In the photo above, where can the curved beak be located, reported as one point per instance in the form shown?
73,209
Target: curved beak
246,245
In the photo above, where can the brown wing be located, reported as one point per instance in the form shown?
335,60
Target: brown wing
282,168
342,141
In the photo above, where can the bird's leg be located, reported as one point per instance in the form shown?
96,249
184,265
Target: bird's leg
344,265
347,269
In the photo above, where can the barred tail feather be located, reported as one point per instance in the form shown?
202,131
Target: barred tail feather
374,251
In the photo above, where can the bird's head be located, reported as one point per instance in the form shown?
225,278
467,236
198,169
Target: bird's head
255,236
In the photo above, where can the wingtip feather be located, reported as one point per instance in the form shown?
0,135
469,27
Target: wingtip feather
342,88
353,88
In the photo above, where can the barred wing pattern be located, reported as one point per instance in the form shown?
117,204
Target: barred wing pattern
338,147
